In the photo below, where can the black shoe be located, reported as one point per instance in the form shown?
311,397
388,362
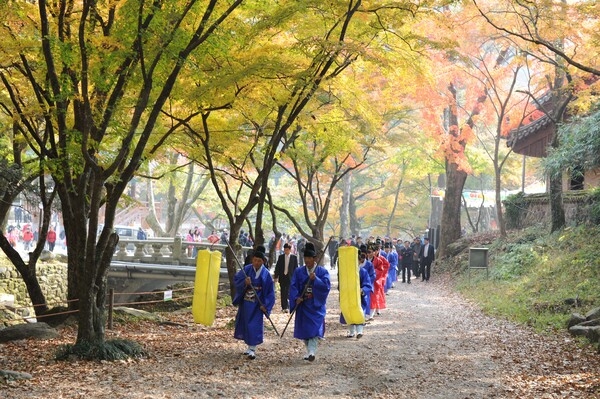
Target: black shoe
251,355
408,281
305,357
358,336
311,358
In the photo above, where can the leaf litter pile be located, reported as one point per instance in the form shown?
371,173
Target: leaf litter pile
429,343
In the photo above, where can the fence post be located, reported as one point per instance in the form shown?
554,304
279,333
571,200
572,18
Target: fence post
111,305
177,252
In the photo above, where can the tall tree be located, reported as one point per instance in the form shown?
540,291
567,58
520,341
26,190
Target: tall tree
271,91
562,34
499,69
20,176
476,75
316,166
240,174
547,30
181,187
98,80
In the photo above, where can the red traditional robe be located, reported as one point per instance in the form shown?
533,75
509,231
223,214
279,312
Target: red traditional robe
381,266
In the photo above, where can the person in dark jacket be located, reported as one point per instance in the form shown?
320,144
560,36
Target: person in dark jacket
333,253
427,256
407,261
416,247
284,268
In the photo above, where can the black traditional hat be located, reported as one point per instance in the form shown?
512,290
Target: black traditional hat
259,252
309,250
363,248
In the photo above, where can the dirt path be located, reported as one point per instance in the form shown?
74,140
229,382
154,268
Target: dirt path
429,343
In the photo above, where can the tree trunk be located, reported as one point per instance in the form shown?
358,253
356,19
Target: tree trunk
171,205
450,227
233,254
28,274
152,218
455,177
557,210
396,195
259,233
499,212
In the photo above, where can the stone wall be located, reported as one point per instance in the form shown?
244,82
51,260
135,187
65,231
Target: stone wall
535,209
51,275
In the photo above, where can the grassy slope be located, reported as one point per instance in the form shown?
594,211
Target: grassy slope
534,274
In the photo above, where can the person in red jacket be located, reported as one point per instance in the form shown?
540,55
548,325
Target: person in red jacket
27,238
51,239
382,266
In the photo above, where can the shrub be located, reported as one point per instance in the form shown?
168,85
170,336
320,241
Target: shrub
595,206
514,210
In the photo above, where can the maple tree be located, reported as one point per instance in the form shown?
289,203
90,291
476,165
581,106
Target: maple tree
240,173
88,97
549,30
495,65
316,167
563,35
180,186
271,95
21,175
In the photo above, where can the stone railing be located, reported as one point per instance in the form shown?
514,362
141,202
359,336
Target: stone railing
165,251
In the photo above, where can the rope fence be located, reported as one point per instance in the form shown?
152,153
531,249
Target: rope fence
110,303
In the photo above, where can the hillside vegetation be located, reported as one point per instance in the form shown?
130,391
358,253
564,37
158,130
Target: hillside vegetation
535,278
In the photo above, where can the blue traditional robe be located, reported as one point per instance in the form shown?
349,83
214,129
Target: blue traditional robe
249,324
392,257
366,287
310,314
368,266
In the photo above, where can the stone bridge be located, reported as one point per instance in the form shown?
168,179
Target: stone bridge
148,265
137,266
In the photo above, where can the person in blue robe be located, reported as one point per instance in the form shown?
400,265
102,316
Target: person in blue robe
392,257
366,264
255,297
309,289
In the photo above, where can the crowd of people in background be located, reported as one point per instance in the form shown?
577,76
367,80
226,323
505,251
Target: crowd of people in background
26,237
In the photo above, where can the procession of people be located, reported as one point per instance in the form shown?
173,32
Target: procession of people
304,286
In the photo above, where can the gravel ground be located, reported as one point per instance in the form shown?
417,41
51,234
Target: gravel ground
429,343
